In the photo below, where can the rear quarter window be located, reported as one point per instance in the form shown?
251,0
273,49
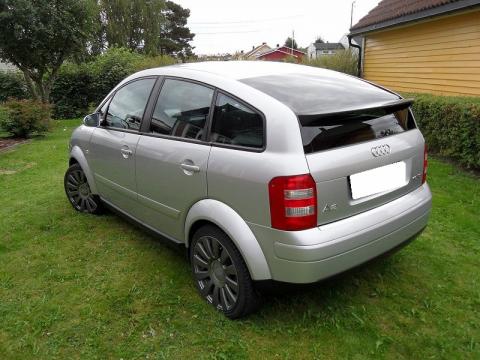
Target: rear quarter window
236,124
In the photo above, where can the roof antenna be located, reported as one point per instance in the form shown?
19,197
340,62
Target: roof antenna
351,14
293,41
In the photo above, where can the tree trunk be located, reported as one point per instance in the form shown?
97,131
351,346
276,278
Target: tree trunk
31,86
40,88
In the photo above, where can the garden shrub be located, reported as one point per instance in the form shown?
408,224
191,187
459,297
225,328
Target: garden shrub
71,91
23,118
345,61
12,85
3,116
79,87
451,126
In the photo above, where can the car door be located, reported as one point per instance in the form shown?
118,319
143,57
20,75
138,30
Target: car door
113,144
172,156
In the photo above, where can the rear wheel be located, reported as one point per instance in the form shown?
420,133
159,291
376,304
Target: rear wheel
79,193
220,273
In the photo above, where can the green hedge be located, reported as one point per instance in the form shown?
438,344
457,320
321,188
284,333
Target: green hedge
12,85
80,87
451,126
345,61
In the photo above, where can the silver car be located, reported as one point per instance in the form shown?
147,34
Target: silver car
263,171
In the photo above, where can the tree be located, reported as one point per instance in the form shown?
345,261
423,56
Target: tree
149,26
175,35
133,24
291,43
37,37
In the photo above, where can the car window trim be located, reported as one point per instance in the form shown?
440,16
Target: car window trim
151,103
247,105
156,78
155,94
105,101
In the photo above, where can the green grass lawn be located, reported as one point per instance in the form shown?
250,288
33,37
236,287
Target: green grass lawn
80,286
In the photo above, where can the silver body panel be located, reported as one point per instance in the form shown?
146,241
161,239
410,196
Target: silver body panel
166,192
142,176
331,170
315,254
113,171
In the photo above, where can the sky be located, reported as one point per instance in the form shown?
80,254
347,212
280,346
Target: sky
227,26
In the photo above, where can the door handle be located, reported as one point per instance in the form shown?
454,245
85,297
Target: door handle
126,153
190,168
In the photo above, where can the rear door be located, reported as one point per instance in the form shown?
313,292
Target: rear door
362,159
172,156
113,144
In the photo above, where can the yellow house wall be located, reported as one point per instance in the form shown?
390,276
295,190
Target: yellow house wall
440,56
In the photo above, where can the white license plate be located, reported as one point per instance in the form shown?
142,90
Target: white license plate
379,180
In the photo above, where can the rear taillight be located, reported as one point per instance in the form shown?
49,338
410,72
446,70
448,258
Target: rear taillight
425,164
293,202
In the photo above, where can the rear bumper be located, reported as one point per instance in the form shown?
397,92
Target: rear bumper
315,254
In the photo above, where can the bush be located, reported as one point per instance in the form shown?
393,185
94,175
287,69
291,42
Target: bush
345,61
22,118
71,91
451,126
79,86
12,85
3,116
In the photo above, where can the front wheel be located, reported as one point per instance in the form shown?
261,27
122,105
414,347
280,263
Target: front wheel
220,273
79,193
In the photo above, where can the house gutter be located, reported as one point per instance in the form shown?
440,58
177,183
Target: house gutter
359,61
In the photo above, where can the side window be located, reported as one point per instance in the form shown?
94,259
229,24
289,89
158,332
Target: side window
236,124
128,104
182,109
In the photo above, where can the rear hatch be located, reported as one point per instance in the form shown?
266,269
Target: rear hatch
351,129
362,158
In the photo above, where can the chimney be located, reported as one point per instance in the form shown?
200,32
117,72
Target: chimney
278,45
264,43
253,47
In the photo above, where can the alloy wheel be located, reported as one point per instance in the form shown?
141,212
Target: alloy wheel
79,193
215,273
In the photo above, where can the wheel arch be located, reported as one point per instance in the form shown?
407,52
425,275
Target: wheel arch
78,157
209,211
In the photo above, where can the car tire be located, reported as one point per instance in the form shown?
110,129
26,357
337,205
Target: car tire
78,191
220,273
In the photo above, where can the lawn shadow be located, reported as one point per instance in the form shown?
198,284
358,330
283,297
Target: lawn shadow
295,299
335,294
147,234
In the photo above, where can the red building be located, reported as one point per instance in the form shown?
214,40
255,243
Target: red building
281,53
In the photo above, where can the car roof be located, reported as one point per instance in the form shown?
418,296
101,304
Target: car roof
304,89
238,70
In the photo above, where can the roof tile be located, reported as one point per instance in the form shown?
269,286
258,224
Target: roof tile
391,9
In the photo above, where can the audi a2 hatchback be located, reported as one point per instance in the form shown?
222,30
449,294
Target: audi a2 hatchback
264,171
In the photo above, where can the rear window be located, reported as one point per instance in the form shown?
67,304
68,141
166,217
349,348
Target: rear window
325,132
335,109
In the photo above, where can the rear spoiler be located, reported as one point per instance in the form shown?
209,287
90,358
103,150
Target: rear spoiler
385,107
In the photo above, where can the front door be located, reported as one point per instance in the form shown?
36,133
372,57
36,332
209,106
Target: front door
113,145
172,157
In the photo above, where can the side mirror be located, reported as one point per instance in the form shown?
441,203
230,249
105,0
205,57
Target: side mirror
92,120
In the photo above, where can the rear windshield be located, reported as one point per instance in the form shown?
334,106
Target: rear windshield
325,132
334,109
